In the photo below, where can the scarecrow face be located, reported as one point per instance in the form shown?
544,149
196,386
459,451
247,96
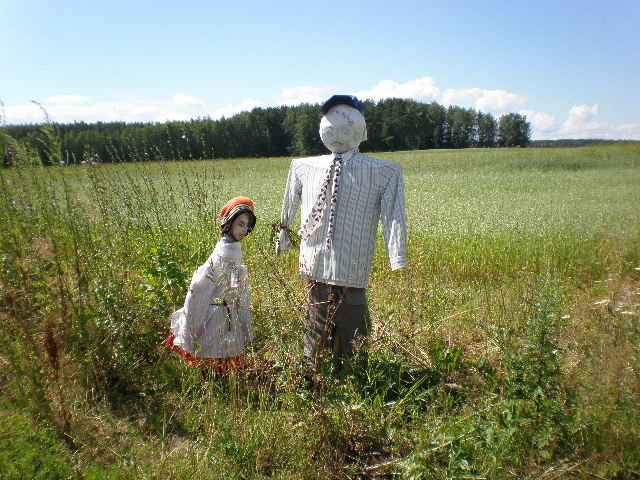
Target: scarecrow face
240,226
342,128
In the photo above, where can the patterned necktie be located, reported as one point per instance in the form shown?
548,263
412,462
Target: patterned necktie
314,219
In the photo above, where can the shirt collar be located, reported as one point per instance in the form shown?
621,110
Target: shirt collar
349,155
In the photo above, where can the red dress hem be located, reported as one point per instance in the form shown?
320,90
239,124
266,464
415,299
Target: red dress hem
219,364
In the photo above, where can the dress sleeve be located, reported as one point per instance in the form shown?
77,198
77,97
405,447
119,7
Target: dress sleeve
394,219
290,204
207,285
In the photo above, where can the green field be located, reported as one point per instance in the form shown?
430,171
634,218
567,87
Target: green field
510,348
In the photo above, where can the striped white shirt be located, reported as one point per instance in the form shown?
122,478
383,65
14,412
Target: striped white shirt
369,189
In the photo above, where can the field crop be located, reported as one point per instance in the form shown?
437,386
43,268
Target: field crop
510,348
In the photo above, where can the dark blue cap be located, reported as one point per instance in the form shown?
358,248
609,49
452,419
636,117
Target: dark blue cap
343,100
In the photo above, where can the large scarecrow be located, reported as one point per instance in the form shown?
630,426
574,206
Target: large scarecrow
343,197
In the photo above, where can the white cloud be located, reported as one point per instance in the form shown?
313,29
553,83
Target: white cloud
498,101
128,109
25,113
581,122
542,124
182,100
426,89
581,117
461,97
626,131
67,99
231,109
303,94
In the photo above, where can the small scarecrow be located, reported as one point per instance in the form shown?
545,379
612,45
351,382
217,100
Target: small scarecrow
213,327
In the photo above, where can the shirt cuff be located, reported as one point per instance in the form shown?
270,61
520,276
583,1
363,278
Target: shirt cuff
398,262
284,243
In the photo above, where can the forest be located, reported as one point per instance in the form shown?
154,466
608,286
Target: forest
392,125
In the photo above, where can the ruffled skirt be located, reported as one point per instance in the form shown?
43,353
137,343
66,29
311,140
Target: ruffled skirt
225,364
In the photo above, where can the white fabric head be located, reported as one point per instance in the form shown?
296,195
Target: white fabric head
342,128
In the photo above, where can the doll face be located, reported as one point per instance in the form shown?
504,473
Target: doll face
240,226
342,128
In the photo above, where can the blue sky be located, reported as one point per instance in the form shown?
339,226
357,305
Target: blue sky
573,67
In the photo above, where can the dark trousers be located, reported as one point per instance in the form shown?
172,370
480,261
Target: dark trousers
337,319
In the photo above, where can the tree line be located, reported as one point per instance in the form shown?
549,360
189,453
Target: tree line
392,124
575,142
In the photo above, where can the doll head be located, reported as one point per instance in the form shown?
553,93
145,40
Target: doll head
342,127
237,218
241,226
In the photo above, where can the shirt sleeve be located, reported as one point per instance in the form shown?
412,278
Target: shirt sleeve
394,220
290,204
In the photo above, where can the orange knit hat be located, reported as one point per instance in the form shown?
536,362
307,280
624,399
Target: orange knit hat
235,207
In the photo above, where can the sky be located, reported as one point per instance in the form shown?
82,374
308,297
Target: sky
572,67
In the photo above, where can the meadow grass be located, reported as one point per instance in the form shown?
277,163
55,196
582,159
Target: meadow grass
510,348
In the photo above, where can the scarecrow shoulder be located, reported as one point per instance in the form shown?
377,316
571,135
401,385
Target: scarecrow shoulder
311,162
380,163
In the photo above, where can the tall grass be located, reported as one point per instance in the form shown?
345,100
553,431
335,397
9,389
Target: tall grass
508,349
